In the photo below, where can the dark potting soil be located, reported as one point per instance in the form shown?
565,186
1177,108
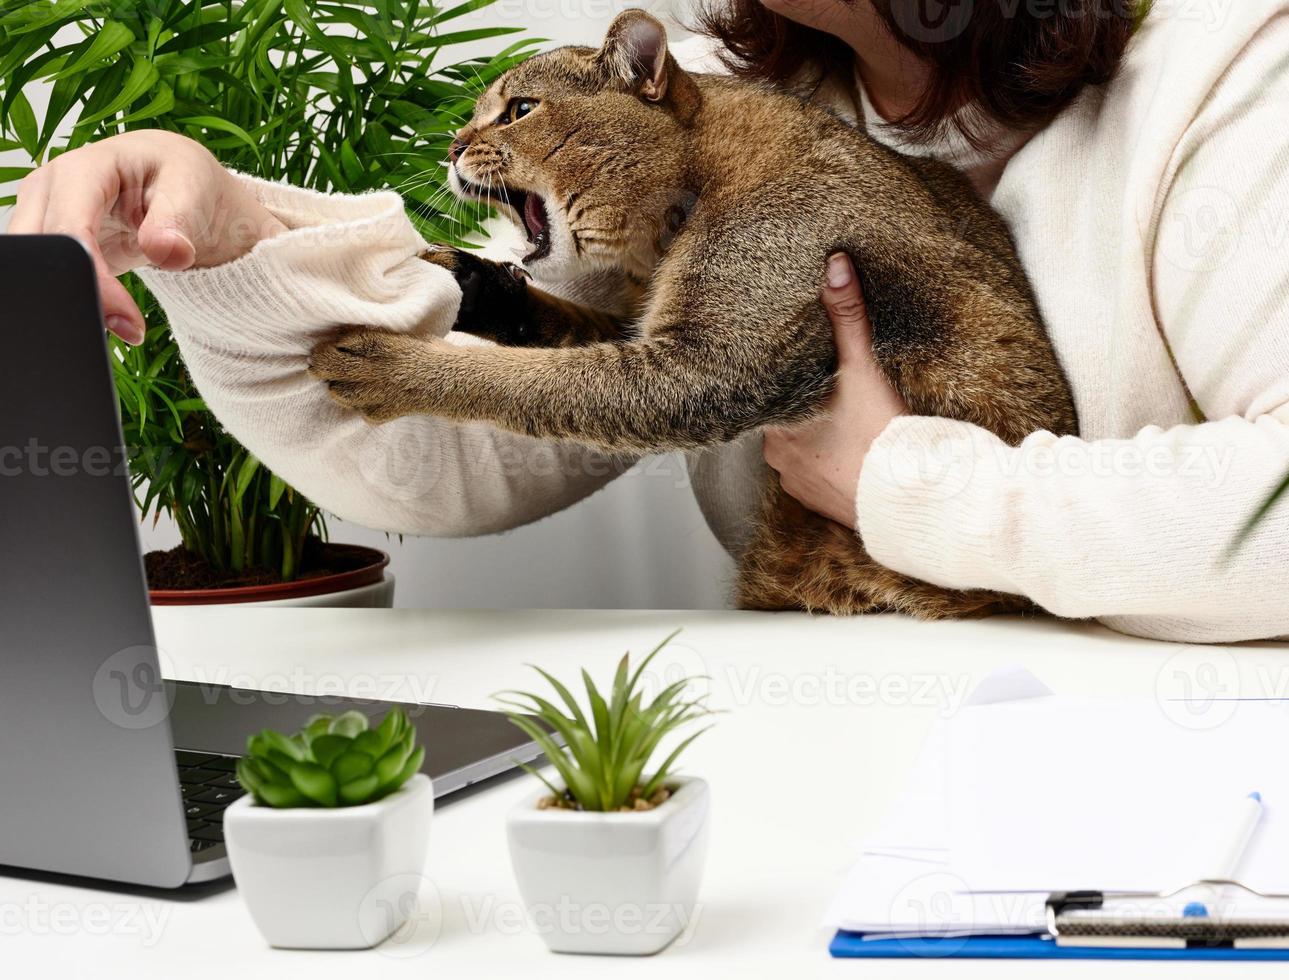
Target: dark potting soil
179,568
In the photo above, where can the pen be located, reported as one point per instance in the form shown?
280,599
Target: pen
1225,863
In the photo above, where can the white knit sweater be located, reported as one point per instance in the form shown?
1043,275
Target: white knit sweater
1153,218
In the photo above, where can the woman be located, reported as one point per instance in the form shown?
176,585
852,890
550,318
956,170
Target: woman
1142,174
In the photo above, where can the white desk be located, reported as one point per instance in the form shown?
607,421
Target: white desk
825,715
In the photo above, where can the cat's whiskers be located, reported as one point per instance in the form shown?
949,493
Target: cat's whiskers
442,203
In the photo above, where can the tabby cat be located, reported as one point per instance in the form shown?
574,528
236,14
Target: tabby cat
714,203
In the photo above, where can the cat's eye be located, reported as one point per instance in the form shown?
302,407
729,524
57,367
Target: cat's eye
517,109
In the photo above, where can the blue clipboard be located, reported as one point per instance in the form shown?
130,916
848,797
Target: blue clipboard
853,945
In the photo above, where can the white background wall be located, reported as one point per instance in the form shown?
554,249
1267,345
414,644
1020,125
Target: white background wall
641,542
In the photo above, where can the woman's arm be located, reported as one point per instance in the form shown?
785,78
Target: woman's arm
246,327
1133,531
251,274
146,196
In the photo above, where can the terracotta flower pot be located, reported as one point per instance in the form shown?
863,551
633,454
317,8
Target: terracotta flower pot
367,585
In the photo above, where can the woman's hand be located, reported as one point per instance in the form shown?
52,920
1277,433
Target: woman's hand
142,198
819,463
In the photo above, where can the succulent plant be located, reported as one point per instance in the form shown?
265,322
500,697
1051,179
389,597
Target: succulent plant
607,747
332,761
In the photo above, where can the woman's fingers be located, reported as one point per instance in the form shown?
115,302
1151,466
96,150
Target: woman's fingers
844,302
196,215
79,198
853,333
189,207
819,462
71,201
120,314
28,215
163,234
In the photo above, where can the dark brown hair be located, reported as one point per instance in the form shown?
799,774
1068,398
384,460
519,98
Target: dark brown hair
1019,62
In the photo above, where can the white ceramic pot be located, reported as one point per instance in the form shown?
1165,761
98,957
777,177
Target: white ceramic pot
331,878
378,595
621,883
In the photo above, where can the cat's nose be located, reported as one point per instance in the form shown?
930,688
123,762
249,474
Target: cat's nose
456,149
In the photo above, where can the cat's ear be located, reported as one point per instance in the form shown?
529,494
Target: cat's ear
635,54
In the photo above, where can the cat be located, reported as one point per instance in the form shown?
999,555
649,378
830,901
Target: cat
714,202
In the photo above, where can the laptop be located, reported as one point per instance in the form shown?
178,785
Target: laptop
107,769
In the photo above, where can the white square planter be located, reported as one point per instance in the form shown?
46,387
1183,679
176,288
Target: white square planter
331,878
622,883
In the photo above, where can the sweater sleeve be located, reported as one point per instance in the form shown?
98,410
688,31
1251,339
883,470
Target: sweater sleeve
245,330
1136,531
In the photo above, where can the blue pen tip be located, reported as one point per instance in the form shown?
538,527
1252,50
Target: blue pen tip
1255,795
1195,910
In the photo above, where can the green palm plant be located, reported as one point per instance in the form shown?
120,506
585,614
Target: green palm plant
607,746
336,95
332,761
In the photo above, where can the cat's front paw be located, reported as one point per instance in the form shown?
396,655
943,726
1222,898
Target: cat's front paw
366,370
494,296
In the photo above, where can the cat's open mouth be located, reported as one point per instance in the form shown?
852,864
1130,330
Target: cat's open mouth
530,207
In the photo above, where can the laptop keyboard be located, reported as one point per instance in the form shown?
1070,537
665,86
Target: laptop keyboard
209,784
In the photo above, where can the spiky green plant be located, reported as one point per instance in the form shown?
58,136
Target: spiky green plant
334,95
608,745
332,761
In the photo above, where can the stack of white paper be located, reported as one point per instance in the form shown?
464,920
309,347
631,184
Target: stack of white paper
1024,793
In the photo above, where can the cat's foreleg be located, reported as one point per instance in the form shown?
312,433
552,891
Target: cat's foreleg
664,393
